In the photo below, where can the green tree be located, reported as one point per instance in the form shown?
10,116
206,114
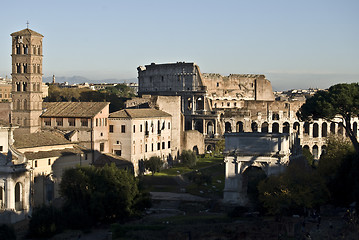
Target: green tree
154,164
220,146
188,158
298,187
308,156
100,194
340,100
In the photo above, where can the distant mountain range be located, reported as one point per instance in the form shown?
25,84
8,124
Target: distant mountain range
80,79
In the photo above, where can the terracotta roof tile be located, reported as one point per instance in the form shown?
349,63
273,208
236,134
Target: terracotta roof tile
72,109
25,32
43,138
139,113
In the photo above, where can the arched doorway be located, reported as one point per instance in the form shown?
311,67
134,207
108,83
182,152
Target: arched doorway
251,178
199,103
306,128
315,130
210,129
275,128
227,127
195,150
199,126
18,197
286,127
315,152
264,127
239,126
296,127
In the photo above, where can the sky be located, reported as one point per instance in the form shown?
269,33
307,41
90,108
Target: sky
296,44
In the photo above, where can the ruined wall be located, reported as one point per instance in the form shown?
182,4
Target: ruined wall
237,86
192,139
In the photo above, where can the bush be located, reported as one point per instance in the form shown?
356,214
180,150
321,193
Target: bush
7,232
45,222
154,164
188,158
200,178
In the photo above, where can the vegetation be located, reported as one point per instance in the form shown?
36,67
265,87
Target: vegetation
7,232
45,222
154,164
299,187
188,158
340,99
115,95
220,146
101,194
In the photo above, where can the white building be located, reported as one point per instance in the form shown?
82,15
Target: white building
138,134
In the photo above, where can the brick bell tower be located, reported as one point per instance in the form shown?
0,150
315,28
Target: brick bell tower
26,80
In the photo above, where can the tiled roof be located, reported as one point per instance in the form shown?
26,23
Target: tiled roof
26,31
139,113
108,158
53,153
43,138
72,109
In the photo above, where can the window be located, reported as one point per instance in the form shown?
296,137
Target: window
102,147
217,84
141,128
101,134
71,122
111,128
105,121
47,121
86,157
134,128
117,142
152,147
169,125
49,161
26,50
59,122
169,144
84,122
35,163
163,145
1,148
123,128
228,104
158,146
118,152
145,147
96,122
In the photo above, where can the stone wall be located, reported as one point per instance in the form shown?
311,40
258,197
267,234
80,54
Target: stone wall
193,139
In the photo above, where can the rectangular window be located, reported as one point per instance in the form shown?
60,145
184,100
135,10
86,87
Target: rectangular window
134,128
123,128
105,122
163,145
59,122
145,147
84,122
96,122
1,148
158,146
169,125
118,152
141,128
49,162
86,157
111,128
102,147
152,147
169,144
47,121
35,163
71,122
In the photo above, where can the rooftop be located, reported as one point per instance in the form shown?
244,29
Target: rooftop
38,139
26,31
139,113
72,109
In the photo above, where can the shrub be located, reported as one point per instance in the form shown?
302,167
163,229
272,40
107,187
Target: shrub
188,158
154,164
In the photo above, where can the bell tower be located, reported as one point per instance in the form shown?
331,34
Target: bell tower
26,79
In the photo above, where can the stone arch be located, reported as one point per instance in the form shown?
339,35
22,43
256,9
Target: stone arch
315,130
286,127
189,103
251,176
324,129
210,128
254,127
306,128
315,152
199,126
195,150
200,103
18,196
209,148
264,127
340,129
239,126
324,149
306,147
275,116
275,128
355,129
227,127
332,128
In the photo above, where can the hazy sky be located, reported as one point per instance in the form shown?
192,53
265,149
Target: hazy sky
296,44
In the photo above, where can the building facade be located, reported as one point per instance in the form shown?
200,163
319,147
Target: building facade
138,134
